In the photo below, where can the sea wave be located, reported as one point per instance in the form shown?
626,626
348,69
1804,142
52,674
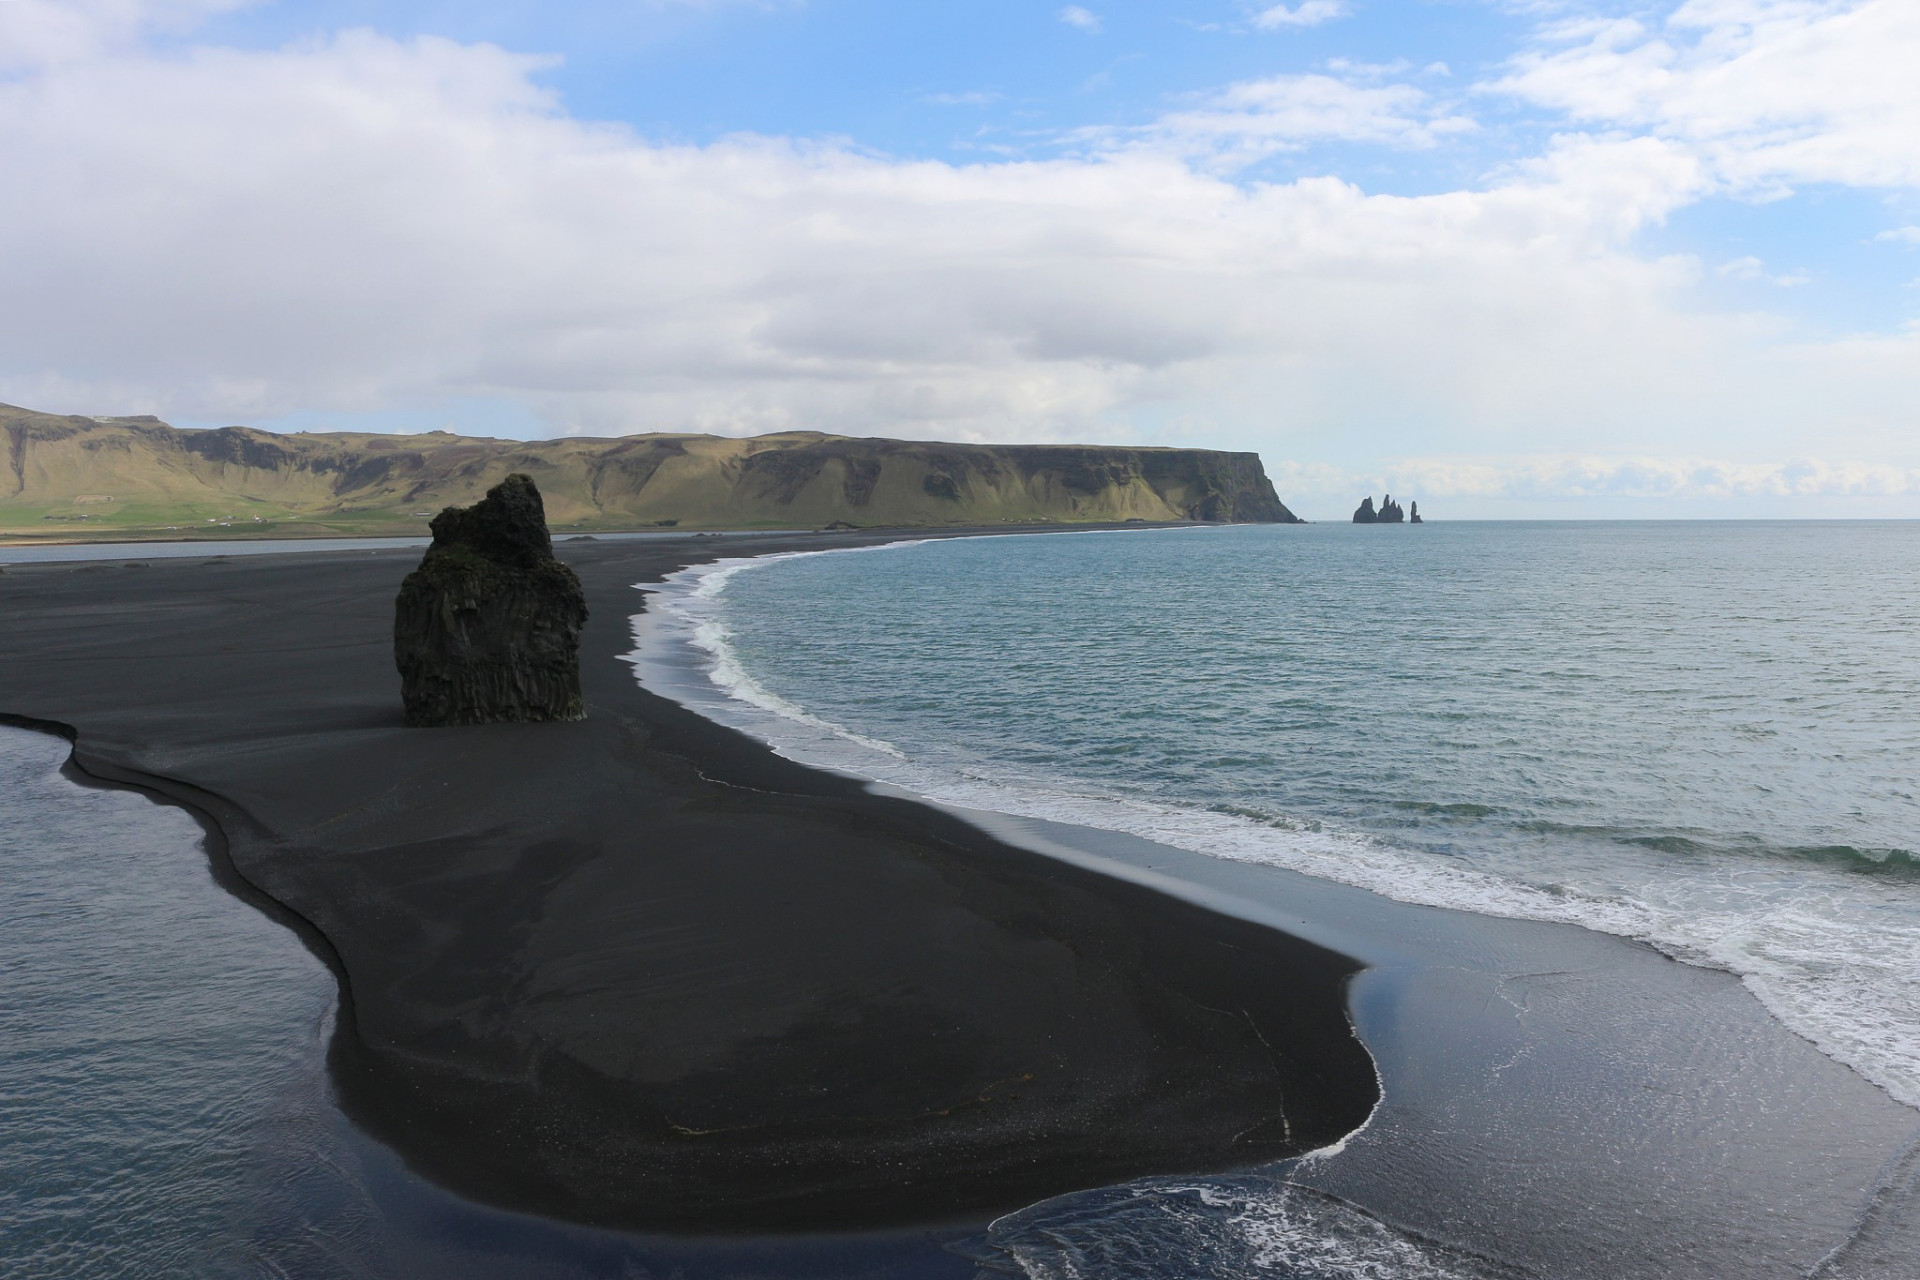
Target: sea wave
1229,1228
1851,989
707,632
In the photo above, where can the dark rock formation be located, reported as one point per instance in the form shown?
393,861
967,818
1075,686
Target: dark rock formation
487,629
1390,512
1414,507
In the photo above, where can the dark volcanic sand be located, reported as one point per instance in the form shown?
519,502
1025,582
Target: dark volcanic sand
638,971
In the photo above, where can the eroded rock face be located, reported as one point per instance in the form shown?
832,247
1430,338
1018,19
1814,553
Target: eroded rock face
1390,512
487,629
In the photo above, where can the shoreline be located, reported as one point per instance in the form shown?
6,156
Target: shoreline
1876,1217
1107,987
1704,1136
700,669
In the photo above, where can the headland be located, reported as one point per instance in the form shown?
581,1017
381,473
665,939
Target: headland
69,477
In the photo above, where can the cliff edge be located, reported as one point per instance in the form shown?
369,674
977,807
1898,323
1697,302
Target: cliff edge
71,477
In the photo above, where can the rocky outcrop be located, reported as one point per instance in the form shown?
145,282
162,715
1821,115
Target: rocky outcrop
1390,512
1414,518
234,479
487,629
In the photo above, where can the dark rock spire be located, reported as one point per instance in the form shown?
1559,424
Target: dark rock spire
487,629
1390,512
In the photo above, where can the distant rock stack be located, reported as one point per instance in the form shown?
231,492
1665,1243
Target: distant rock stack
1390,512
487,629
1414,518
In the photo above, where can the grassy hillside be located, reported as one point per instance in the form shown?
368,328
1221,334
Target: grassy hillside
76,477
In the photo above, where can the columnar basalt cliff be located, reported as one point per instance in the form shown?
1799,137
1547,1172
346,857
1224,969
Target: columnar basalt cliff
73,476
487,629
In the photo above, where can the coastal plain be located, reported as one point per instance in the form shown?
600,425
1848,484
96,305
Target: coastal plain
640,972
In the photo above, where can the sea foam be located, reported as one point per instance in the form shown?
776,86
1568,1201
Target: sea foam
1835,956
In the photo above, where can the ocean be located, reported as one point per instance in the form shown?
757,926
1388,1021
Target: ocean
1705,736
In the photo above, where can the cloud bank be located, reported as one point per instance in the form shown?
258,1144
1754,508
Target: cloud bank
361,223
1765,91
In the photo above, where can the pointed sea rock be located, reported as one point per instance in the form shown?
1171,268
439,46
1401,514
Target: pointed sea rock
487,629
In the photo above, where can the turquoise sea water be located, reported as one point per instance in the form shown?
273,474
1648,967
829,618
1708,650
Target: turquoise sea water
1705,736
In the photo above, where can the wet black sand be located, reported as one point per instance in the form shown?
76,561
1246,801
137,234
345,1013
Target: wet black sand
641,972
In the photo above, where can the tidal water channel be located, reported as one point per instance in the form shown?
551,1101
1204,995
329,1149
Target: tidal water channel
165,1109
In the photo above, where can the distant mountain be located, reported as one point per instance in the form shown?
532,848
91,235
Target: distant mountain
96,477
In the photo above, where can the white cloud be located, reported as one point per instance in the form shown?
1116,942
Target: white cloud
972,98
1308,13
1369,70
1900,235
1573,478
1753,270
1074,16
365,223
1769,92
1248,121
1621,486
36,32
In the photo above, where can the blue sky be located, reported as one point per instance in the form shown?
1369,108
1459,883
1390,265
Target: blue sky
1548,258
912,80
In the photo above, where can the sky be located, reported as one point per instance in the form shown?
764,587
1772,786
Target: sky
1525,258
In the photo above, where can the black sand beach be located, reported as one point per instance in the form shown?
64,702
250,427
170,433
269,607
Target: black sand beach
566,957
640,972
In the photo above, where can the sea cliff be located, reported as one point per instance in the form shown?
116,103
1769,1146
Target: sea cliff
93,477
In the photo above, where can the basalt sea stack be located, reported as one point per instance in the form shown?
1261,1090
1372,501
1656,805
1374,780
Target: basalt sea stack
487,629
1390,512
